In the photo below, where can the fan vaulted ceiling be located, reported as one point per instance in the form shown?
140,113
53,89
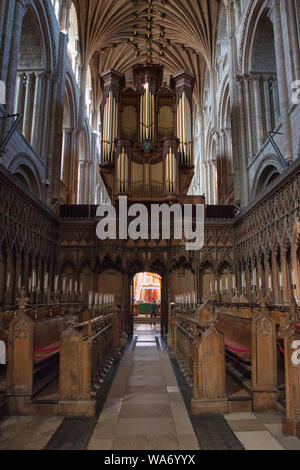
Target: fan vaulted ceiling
176,33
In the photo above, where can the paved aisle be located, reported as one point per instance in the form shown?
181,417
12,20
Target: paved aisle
144,409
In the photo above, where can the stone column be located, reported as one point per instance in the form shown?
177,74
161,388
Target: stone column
258,113
293,33
249,117
268,115
64,15
6,22
81,186
66,158
74,166
233,71
46,105
244,193
275,13
20,9
276,101
56,123
19,94
230,170
28,106
36,114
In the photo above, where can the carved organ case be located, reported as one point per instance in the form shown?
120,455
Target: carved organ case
147,136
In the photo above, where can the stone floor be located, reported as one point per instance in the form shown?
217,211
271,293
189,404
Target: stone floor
144,410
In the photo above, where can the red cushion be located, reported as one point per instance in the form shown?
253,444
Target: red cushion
238,349
41,354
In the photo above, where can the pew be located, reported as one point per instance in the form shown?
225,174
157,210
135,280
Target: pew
250,346
238,342
33,359
87,353
200,352
58,354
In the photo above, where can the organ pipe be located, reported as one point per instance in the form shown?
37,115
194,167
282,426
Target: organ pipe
170,172
110,128
184,129
123,172
147,114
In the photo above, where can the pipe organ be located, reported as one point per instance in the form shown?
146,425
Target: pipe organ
184,129
147,115
122,172
110,127
147,150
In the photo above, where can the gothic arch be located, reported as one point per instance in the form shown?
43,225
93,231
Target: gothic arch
69,158
255,12
269,169
25,171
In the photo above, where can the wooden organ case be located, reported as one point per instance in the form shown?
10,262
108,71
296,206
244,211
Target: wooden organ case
147,136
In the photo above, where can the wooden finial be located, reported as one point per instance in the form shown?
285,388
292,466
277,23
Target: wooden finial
265,301
23,300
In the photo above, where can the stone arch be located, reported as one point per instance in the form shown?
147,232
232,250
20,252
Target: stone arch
225,163
25,172
253,16
269,169
259,64
33,47
69,159
36,58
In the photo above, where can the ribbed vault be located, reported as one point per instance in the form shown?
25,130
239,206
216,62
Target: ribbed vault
120,33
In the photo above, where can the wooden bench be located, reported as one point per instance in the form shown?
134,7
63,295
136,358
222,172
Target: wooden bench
46,350
251,347
61,360
250,339
238,342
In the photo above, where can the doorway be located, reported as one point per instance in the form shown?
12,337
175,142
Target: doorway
147,299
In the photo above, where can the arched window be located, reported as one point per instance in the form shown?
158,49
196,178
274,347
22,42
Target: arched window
263,68
30,78
73,45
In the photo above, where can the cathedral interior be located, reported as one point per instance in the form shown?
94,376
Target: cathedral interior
138,343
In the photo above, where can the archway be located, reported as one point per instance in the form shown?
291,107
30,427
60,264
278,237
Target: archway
139,305
32,65
268,175
146,297
26,176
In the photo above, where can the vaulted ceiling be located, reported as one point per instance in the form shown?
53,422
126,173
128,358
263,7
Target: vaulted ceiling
176,33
